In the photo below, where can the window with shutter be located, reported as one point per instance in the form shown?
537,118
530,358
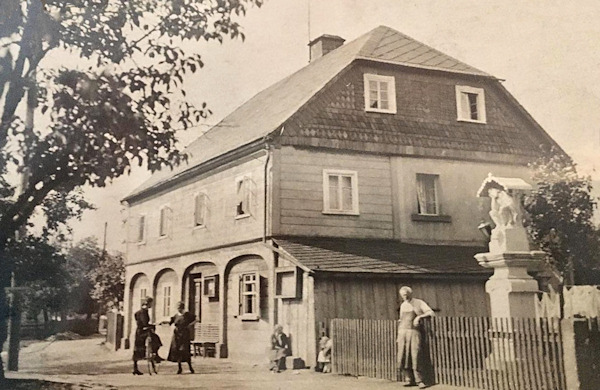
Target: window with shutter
250,296
141,229
200,209
165,221
244,197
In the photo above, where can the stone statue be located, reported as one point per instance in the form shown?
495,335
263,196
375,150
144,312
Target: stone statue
504,212
509,235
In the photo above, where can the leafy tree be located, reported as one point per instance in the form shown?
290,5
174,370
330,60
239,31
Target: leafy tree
108,280
41,268
82,259
561,211
125,108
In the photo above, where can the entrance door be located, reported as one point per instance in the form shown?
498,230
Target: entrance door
195,303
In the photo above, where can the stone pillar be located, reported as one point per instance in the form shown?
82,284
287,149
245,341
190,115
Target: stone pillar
512,290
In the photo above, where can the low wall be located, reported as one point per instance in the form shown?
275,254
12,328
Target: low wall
83,327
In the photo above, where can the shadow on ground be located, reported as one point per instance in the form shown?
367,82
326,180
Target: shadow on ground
29,384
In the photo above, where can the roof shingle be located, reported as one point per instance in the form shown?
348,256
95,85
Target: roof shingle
381,256
269,109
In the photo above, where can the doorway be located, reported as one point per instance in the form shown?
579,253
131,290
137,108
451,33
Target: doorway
195,301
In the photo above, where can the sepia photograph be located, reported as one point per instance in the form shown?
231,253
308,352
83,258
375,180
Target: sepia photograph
299,194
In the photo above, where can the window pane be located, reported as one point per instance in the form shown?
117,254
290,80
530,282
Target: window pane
163,221
200,208
464,106
373,103
473,114
383,96
142,223
426,194
334,192
346,193
249,304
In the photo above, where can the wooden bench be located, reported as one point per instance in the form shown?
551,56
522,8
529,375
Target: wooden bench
206,337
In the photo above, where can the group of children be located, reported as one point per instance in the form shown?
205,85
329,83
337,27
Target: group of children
280,349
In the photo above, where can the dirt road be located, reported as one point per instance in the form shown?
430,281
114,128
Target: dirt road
88,364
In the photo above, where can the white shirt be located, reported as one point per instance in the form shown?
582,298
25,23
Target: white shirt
416,305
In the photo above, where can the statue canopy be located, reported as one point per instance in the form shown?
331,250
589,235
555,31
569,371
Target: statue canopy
503,184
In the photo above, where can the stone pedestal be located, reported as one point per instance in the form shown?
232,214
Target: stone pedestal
512,291
512,295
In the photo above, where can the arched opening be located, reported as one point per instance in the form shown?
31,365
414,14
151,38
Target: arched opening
139,288
165,295
247,308
200,291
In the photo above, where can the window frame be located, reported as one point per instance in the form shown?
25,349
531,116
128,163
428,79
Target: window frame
255,294
481,108
436,179
195,224
246,182
166,212
326,194
141,228
166,300
391,90
143,295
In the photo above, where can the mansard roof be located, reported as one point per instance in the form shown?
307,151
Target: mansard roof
267,111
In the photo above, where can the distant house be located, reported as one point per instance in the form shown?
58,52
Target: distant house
323,194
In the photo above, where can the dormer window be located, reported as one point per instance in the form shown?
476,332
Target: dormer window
380,93
470,104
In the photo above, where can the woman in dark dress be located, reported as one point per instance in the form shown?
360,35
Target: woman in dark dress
180,344
142,330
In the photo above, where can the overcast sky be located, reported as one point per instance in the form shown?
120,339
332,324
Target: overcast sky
548,53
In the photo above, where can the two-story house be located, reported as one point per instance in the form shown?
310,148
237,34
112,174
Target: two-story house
323,194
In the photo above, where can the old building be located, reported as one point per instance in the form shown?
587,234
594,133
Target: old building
324,193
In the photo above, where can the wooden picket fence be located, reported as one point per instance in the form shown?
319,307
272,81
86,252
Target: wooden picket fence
476,352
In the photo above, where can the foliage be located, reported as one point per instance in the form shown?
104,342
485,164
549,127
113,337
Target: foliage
108,280
561,211
41,267
124,108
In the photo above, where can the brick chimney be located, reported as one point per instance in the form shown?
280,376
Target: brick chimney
323,45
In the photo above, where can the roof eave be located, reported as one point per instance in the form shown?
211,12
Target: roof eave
205,166
425,67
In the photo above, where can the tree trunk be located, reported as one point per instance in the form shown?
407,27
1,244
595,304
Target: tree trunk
4,310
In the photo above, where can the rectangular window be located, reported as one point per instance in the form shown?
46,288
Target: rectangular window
250,295
141,229
166,301
165,221
427,198
340,190
244,196
200,207
143,295
380,93
470,104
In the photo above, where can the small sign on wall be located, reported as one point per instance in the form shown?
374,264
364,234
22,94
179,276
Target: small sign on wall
211,286
288,282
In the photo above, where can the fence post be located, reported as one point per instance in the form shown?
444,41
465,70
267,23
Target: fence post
569,354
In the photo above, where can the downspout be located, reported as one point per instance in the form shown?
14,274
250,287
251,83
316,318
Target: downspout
268,150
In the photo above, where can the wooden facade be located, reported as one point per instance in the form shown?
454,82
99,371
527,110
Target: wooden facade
376,298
